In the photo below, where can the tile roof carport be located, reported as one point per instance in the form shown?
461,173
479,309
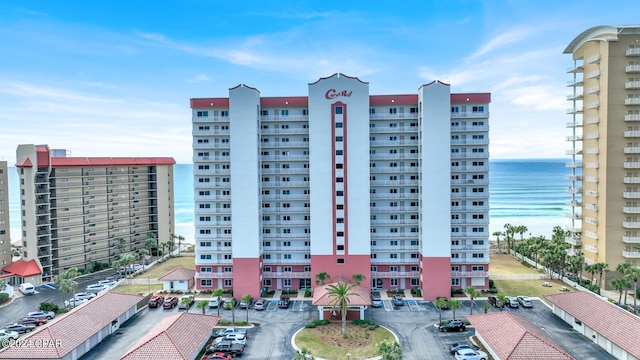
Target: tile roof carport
78,331
510,336
612,328
358,298
177,337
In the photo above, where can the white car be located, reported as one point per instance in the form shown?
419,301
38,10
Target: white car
107,283
237,338
84,296
41,314
95,288
74,302
6,334
470,354
525,301
213,303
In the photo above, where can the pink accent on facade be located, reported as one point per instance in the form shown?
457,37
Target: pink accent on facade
377,100
209,103
436,277
42,152
97,161
247,280
482,98
288,101
353,264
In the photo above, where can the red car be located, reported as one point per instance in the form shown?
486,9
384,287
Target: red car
156,301
170,302
32,320
217,356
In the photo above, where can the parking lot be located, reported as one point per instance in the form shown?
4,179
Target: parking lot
413,323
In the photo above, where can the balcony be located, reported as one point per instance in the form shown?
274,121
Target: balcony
631,254
297,249
632,100
296,117
394,182
575,110
634,84
288,171
631,164
631,149
574,138
393,143
287,184
631,224
632,68
631,239
473,114
631,180
593,59
484,260
577,68
632,117
590,248
286,261
575,82
393,130
632,133
458,128
480,274
570,124
284,158
470,142
287,131
593,90
573,216
285,144
392,156
394,274
574,190
399,248
574,240
214,275
394,261
383,116
286,274
574,177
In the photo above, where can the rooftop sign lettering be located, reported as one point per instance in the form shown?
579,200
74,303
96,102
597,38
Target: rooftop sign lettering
333,93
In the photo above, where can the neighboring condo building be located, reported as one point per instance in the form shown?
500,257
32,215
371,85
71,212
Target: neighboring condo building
75,210
394,187
605,145
5,223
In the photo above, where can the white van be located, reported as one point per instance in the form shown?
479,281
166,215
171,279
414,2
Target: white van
27,288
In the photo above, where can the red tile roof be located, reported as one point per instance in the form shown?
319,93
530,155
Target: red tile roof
619,326
24,162
74,328
177,274
359,296
23,268
514,337
179,336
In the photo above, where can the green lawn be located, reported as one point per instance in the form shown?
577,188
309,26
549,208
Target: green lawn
135,289
311,339
160,269
507,264
529,287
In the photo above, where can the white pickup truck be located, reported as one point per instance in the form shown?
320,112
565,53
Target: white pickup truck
230,331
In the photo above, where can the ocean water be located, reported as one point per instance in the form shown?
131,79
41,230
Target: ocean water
529,192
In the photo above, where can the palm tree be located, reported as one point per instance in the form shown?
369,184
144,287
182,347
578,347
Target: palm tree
217,293
601,268
339,298
322,277
521,229
202,305
172,243
622,269
440,303
472,293
121,245
633,274
620,284
65,280
502,298
454,304
591,269
247,300
151,242
390,350
508,234
358,278
232,305
497,234
143,254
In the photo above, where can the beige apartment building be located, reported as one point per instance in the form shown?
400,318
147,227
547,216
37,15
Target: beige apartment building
5,224
605,124
75,210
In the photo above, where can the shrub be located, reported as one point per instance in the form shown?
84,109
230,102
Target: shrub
224,322
307,292
3,297
48,306
493,290
373,327
310,326
492,283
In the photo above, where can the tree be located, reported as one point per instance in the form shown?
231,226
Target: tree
172,243
232,305
454,304
186,301
508,235
591,269
633,274
497,234
390,350
121,245
151,242
440,303
247,300
521,229
622,269
472,293
322,277
66,280
143,254
202,305
304,354
601,268
358,278
620,284
486,306
217,293
339,298
175,237
502,298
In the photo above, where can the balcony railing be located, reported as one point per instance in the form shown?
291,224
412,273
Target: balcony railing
214,275
480,274
394,274
634,68
632,117
631,254
631,239
632,84
286,274
631,224
632,100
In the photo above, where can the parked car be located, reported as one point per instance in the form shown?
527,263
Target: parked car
227,331
446,302
470,354
27,288
135,267
20,328
156,301
453,325
170,302
213,303
114,277
398,300
235,338
186,302
7,334
107,283
228,302
525,301
511,302
245,304
84,296
47,314
284,302
455,347
376,299
259,305
94,288
227,348
32,320
495,302
73,302
217,356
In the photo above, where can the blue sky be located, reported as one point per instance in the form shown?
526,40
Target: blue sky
115,78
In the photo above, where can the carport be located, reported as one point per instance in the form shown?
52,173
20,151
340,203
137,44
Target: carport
358,301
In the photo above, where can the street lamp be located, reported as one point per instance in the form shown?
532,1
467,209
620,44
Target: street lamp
348,356
149,282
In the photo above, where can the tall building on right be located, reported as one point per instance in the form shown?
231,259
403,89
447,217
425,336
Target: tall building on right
605,145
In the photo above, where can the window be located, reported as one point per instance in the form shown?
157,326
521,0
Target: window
338,152
202,113
455,282
205,282
228,282
338,125
205,256
338,111
338,138
339,261
340,247
393,282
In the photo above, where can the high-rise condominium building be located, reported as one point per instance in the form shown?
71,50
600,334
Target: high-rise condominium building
79,210
393,187
605,140
5,224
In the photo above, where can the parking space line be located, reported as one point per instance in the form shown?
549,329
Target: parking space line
413,305
387,305
272,305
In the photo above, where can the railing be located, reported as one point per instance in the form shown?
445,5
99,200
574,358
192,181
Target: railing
394,274
286,274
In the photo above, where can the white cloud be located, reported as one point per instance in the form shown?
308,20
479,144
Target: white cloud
199,78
